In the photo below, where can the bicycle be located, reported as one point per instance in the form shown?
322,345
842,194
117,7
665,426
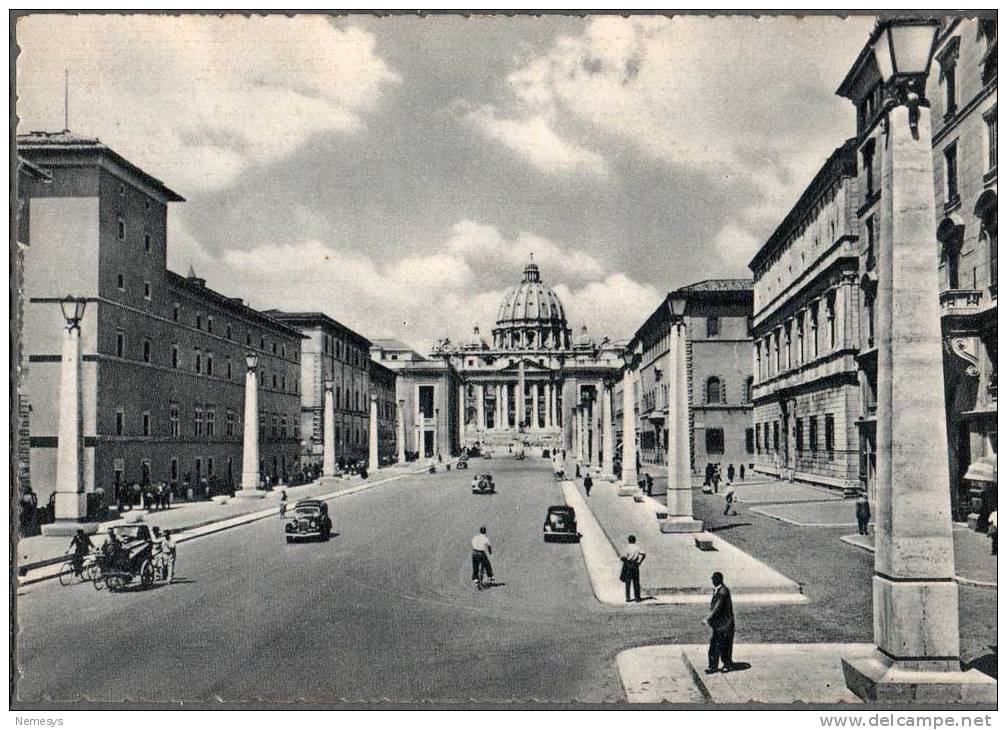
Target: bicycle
89,571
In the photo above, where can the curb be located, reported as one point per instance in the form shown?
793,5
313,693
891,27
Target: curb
199,529
960,580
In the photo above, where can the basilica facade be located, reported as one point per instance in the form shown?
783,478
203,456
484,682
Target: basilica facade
532,381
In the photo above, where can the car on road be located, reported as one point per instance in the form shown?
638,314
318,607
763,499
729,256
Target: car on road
310,519
483,484
463,462
560,524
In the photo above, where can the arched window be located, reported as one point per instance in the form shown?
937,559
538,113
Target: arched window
950,233
714,390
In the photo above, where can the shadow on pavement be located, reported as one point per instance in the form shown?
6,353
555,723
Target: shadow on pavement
718,528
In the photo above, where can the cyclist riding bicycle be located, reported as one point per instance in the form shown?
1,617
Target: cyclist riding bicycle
81,546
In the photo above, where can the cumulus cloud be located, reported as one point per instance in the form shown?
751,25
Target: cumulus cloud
614,306
221,93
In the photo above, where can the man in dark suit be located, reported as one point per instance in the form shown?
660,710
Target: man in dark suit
721,622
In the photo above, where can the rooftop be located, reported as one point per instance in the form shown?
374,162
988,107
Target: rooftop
718,285
310,319
46,145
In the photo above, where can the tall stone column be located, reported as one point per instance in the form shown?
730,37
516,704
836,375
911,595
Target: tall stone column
437,428
71,498
480,407
606,434
534,407
629,475
679,497
505,389
578,433
548,404
400,430
328,432
915,593
373,462
461,414
250,445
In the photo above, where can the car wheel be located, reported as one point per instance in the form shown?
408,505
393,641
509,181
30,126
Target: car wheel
289,539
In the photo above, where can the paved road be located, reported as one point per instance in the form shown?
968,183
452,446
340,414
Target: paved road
387,608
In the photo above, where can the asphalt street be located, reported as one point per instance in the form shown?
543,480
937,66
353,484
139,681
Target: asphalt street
385,610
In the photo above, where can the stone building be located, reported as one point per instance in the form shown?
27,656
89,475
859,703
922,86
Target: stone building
962,92
384,389
163,367
718,319
806,391
332,351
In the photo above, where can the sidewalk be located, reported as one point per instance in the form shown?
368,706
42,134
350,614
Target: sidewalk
974,565
39,557
676,570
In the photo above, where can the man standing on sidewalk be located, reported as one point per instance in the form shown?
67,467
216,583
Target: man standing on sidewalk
863,511
721,622
588,483
631,559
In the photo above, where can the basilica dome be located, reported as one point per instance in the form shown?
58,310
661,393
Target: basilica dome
531,316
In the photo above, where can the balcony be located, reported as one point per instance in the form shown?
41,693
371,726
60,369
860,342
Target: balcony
960,301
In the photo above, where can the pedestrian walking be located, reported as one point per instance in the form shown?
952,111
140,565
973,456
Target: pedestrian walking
630,575
577,473
168,545
648,484
721,622
863,511
588,483
730,473
481,550
564,454
729,498
708,475
715,479
283,504
991,530
741,472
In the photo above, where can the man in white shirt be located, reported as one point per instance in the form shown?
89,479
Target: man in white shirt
481,550
631,559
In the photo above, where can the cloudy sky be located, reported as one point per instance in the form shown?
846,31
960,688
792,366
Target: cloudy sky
397,172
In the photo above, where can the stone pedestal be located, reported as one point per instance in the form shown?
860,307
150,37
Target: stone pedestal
71,511
879,678
678,525
328,433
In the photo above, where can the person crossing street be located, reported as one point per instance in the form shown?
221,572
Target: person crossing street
481,550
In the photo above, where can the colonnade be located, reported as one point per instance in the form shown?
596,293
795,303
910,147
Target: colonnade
502,406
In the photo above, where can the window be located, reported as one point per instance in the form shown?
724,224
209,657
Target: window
715,441
951,173
120,227
146,424
988,30
228,331
198,360
262,343
713,390
120,421
867,157
426,396
749,381
198,422
991,139
175,309
248,339
120,282
283,383
199,320
120,343
209,324
229,424
758,438
813,433
799,433
146,350
950,75
228,368
749,440
174,470
146,290
776,435
174,356
262,424
712,326
870,247
146,242
830,432
830,319
122,190
814,330
209,466
274,348
211,422
173,420
209,363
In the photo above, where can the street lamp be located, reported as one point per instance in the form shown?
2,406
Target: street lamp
250,442
915,595
676,306
251,360
73,310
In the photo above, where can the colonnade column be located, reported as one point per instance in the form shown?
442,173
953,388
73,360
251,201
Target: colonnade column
578,440
534,406
461,414
606,434
520,410
400,428
596,426
480,407
679,497
548,405
328,432
629,475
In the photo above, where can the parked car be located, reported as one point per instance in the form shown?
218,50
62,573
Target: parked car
310,519
463,462
483,484
560,524
546,454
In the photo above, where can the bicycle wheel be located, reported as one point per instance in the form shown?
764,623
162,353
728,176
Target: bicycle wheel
92,573
114,581
66,574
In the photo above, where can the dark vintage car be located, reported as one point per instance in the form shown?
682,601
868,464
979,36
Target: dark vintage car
463,462
483,484
560,524
310,519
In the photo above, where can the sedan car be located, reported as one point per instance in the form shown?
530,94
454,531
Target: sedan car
463,463
310,519
483,484
560,524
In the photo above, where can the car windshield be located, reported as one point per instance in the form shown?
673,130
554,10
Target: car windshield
308,511
130,532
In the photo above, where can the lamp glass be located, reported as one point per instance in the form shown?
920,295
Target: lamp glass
65,304
251,360
677,305
883,55
912,46
81,304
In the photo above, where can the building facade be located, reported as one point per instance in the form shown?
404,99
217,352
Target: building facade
962,91
330,351
718,320
163,368
383,388
806,391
